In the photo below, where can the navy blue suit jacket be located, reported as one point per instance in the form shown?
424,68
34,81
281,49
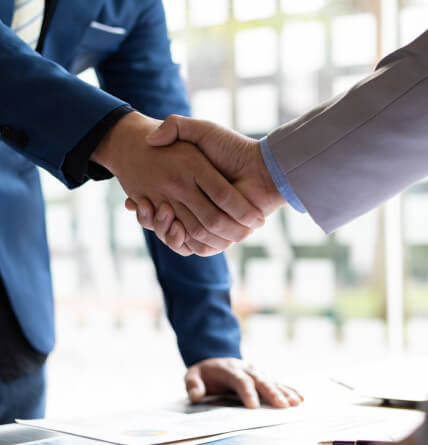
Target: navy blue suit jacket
47,110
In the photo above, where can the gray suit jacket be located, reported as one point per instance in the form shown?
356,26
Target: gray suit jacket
356,151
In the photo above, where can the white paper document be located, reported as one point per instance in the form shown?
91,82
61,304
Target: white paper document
347,424
307,424
401,379
158,427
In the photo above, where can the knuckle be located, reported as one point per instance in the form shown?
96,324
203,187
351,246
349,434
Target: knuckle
173,243
222,195
216,223
176,183
171,118
198,232
159,226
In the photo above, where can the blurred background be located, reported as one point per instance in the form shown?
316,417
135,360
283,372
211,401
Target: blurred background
306,301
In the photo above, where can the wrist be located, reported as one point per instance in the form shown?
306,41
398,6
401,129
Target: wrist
112,149
270,188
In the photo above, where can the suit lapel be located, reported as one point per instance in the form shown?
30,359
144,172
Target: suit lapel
69,22
6,11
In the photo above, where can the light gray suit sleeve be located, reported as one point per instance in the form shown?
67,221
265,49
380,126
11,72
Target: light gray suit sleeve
347,156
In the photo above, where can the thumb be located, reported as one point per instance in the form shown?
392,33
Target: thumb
130,205
177,127
165,134
195,386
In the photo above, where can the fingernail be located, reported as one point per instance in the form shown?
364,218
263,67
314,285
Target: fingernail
173,230
142,211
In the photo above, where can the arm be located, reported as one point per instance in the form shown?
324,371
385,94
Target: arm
47,111
142,73
356,151
345,157
196,290
197,297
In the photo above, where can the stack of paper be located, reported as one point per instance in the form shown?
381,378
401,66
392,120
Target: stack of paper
153,428
307,424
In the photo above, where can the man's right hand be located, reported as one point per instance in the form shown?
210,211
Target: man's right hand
212,211
237,157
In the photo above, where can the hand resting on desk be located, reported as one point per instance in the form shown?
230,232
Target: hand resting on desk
217,376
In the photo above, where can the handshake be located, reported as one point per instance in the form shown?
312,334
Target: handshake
199,186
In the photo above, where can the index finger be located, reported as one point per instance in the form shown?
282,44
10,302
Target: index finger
230,200
245,387
204,221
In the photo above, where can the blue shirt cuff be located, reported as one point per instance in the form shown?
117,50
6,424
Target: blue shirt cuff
279,177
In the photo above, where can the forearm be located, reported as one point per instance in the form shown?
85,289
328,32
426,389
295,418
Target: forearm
122,137
50,107
197,297
354,152
141,72
278,177
78,166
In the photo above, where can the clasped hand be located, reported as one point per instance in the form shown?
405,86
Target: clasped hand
244,190
212,212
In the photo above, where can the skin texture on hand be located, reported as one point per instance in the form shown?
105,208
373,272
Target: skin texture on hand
218,376
237,157
212,211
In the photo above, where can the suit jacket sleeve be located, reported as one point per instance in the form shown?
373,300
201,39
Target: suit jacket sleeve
196,290
45,111
347,156
197,296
